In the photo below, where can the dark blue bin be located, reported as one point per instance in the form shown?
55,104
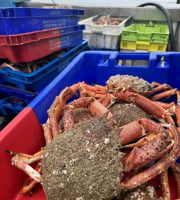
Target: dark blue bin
8,106
97,66
24,95
37,12
17,25
13,100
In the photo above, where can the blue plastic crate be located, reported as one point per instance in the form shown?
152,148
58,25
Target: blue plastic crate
13,100
97,66
37,12
38,79
17,25
9,106
24,95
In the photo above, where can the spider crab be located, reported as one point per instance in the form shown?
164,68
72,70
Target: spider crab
143,141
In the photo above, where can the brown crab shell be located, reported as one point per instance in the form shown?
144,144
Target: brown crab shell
83,163
129,83
124,113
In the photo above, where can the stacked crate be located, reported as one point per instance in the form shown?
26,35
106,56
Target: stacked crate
145,37
45,39
103,32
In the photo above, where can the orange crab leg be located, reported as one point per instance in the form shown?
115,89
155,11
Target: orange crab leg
31,183
146,104
47,132
28,158
165,185
164,94
158,87
68,118
93,91
178,97
176,174
100,87
21,164
80,102
177,114
55,110
159,167
52,118
166,106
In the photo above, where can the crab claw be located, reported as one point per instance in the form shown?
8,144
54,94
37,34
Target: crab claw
137,129
141,156
159,167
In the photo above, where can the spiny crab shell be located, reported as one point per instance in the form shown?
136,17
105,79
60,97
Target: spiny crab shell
83,163
129,83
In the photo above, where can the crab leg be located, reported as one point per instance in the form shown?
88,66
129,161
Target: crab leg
164,94
68,119
31,183
166,106
177,114
146,104
178,97
93,91
21,164
47,132
176,174
28,158
55,110
159,167
52,119
165,186
158,87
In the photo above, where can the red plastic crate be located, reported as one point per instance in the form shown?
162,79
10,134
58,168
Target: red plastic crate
35,45
13,137
24,134
19,39
2,54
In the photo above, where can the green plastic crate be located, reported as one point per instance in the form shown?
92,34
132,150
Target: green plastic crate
146,32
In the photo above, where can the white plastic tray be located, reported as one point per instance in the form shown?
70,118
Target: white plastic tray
103,36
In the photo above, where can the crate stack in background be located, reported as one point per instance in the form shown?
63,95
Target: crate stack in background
145,37
35,45
103,32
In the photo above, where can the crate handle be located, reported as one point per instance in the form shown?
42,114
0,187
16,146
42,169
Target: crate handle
115,56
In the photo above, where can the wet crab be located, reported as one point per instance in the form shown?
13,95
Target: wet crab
157,141
139,86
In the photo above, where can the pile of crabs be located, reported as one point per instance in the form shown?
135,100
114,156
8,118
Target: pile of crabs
118,141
